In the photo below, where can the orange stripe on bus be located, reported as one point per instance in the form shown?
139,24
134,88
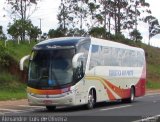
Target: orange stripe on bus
119,91
44,92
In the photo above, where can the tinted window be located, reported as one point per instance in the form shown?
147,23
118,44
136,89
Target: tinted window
94,61
50,68
111,56
84,48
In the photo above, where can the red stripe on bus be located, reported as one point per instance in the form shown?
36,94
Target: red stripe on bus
110,95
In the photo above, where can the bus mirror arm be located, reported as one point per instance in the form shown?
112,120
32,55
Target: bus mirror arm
21,64
75,61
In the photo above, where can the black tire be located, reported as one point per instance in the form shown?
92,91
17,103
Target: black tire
91,99
50,108
131,98
132,95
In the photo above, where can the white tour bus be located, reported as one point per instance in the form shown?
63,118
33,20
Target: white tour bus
72,71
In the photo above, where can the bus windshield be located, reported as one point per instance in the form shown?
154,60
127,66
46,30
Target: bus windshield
50,68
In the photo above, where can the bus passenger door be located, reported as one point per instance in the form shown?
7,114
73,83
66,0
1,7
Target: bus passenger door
78,76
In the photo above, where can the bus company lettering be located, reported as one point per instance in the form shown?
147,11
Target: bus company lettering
115,73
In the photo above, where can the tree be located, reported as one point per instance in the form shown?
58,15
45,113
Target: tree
79,12
134,10
128,13
64,17
55,33
136,35
125,14
1,31
21,9
109,14
33,32
19,26
51,33
13,30
73,14
98,32
2,35
154,27
94,13
113,9
76,32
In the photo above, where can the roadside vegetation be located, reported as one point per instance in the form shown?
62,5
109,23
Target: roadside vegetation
12,80
11,87
153,66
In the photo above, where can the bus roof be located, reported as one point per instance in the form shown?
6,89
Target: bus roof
64,42
60,42
103,42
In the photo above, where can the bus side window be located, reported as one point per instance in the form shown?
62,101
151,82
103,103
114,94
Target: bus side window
106,51
94,61
84,48
140,58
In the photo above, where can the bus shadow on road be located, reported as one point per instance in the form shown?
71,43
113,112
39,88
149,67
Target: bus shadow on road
83,108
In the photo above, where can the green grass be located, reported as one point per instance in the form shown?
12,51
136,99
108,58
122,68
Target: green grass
18,51
153,73
10,95
11,88
13,93
153,66
153,85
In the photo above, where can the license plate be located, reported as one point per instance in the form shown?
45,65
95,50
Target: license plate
47,101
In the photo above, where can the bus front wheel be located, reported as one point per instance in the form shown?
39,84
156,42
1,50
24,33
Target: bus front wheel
91,99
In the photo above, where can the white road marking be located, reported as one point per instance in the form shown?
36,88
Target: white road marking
10,110
106,109
150,95
27,110
18,111
146,119
4,111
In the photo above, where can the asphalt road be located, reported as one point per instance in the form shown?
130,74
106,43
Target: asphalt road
146,108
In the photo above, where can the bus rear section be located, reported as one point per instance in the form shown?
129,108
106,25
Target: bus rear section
121,69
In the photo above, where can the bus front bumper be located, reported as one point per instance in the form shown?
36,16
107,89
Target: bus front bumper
66,99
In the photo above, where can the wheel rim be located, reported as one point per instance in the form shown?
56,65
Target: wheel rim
91,99
132,94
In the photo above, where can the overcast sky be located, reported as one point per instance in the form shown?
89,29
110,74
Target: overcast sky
48,9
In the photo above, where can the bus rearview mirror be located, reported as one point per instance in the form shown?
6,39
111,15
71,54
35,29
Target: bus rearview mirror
23,59
76,61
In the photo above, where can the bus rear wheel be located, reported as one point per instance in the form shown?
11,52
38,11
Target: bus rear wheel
50,108
91,99
132,96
